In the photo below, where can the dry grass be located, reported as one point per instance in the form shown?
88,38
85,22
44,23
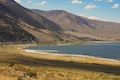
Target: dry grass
16,64
7,78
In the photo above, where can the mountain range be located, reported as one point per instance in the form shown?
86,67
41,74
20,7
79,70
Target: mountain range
82,27
19,24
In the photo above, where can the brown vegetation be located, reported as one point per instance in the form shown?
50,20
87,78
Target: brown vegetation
16,64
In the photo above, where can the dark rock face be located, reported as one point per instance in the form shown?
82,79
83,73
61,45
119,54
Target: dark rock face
14,33
12,19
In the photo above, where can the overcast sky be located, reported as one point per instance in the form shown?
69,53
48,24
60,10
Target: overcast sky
107,10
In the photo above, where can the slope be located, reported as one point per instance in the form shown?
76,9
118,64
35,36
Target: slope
18,24
82,27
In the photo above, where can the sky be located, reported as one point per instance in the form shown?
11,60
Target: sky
106,10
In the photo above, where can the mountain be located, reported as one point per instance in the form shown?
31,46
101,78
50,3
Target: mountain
81,27
18,24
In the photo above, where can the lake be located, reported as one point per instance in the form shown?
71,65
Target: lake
97,49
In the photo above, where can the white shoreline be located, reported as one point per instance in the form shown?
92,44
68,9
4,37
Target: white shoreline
72,55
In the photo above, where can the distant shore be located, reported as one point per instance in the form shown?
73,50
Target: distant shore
80,55
50,52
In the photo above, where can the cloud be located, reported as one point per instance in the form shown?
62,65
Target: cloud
105,0
93,17
90,17
42,3
76,2
97,0
115,5
82,15
108,0
91,6
18,1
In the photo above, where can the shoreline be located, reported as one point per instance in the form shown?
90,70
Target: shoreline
71,55
44,64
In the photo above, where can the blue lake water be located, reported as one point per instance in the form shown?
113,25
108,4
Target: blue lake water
103,50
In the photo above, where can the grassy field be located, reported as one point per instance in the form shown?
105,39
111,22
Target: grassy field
16,64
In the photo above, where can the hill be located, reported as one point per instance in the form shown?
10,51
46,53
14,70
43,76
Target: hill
18,24
82,27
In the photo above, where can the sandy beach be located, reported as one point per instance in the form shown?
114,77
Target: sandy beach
70,55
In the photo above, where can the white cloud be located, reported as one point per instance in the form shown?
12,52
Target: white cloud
82,15
18,1
91,6
105,0
76,2
108,0
115,5
98,0
90,17
42,3
96,18
93,17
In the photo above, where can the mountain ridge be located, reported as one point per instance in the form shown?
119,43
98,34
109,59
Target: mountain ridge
43,11
13,15
81,25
